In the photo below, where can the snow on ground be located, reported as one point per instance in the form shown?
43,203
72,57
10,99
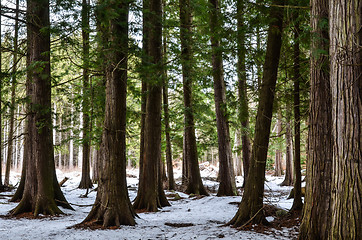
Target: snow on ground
204,215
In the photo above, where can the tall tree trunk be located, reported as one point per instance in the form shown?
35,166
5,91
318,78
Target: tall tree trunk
112,206
86,181
9,159
317,212
251,206
41,193
150,194
193,179
227,185
278,152
297,203
288,179
1,87
171,181
145,60
242,89
345,78
237,159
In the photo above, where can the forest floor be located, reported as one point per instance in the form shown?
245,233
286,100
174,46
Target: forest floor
188,217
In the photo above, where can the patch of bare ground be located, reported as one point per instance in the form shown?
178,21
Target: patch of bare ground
4,188
30,215
179,225
92,225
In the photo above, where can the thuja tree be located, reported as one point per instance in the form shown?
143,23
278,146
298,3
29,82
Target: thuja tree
13,95
251,206
345,82
112,206
193,178
41,193
242,88
1,87
226,171
316,212
150,194
86,180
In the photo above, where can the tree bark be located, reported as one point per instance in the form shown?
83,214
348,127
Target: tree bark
345,80
170,175
288,180
227,185
192,178
317,211
251,206
145,60
171,181
237,159
297,203
242,89
112,206
9,159
278,152
150,195
86,181
41,193
1,87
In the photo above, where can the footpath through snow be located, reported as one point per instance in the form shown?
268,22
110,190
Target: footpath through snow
187,218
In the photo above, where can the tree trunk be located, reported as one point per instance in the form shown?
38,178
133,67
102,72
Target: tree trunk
193,178
317,209
9,159
171,181
297,203
242,90
96,165
288,180
41,193
143,74
112,206
86,181
150,194
237,159
1,87
278,152
345,78
226,170
251,206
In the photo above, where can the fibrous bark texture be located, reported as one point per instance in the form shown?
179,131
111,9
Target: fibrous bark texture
1,87
170,177
150,194
278,152
41,193
317,209
297,203
192,172
251,206
112,206
242,90
288,179
86,181
13,95
346,84
227,185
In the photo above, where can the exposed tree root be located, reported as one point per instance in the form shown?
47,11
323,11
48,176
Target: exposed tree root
111,216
